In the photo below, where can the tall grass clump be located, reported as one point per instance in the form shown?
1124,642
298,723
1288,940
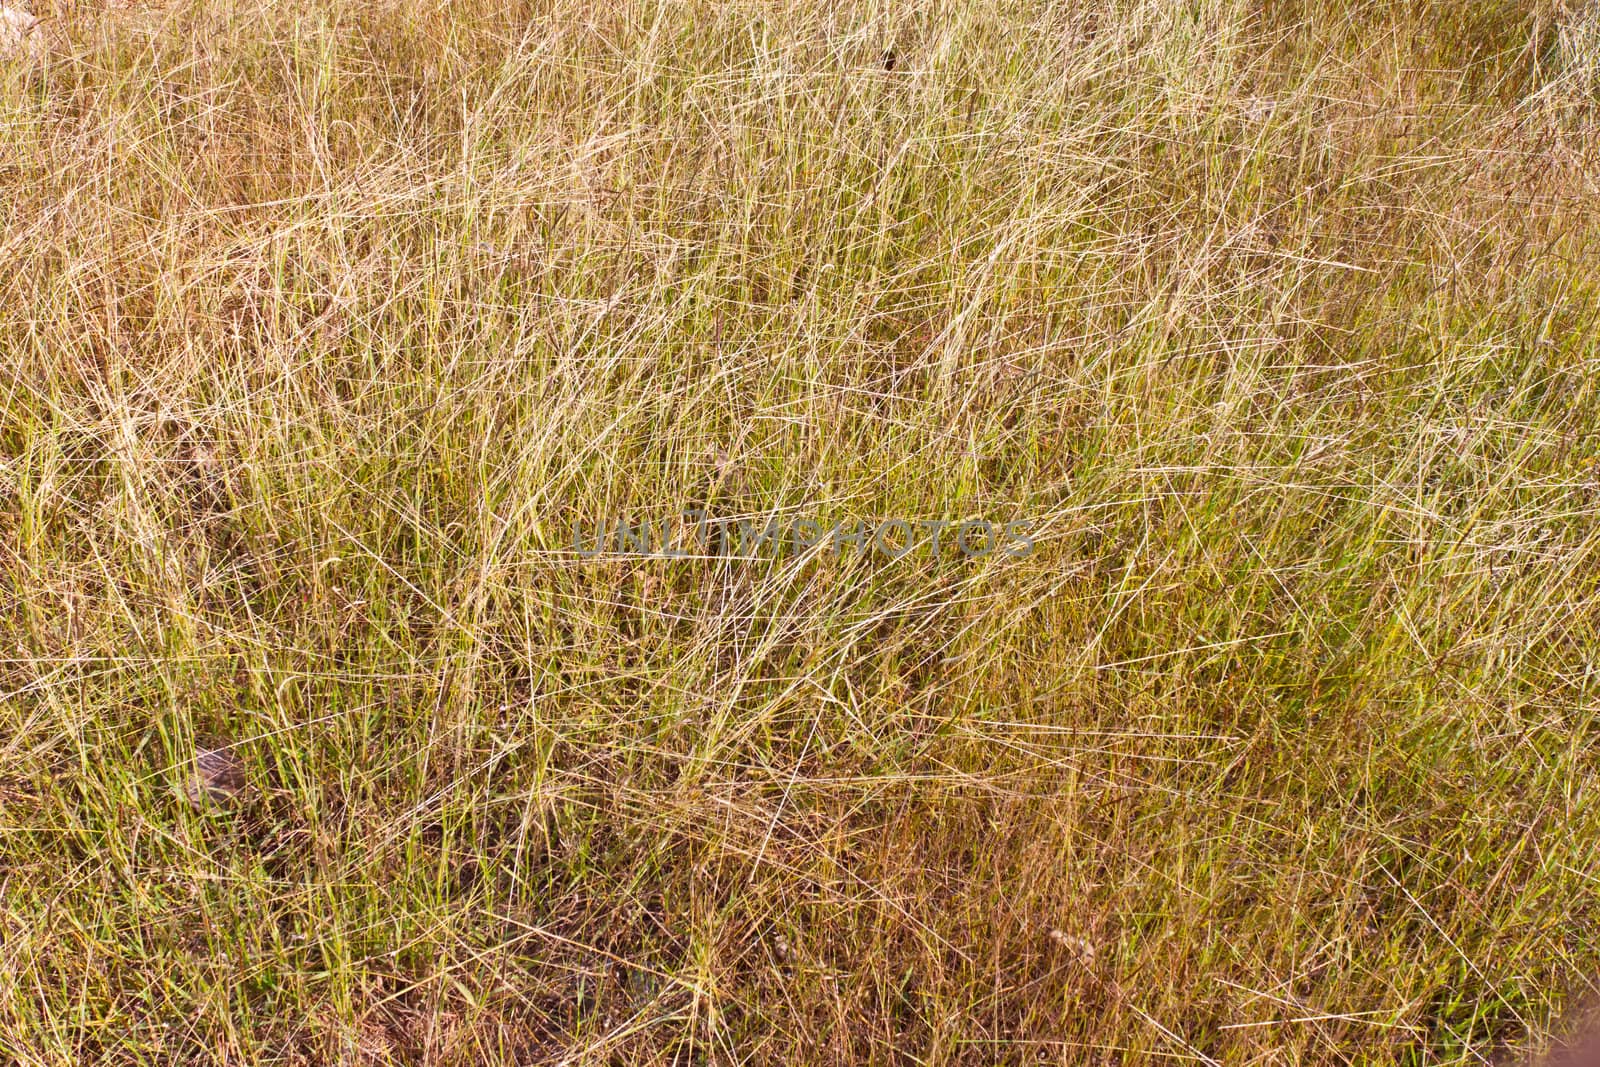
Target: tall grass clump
324,323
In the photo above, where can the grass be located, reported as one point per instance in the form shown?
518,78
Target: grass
322,323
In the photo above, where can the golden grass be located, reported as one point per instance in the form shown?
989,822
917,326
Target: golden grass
321,322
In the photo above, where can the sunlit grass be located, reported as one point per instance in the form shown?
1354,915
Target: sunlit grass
322,323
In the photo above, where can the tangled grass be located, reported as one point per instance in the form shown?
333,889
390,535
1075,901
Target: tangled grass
322,322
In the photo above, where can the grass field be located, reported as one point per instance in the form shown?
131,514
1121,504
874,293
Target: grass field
324,322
